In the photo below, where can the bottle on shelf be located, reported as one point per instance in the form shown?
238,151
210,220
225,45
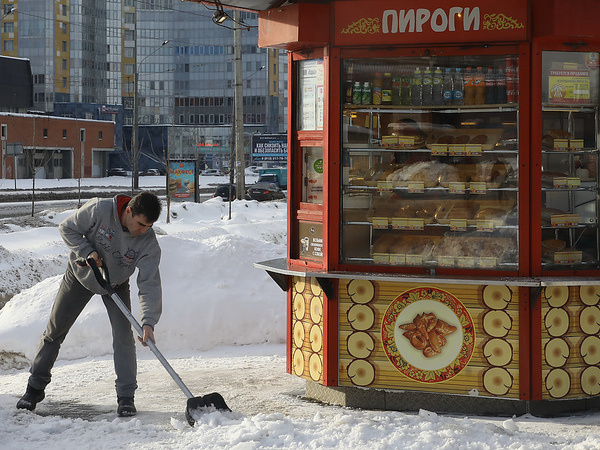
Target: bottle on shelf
478,87
357,93
490,86
367,93
396,83
459,88
348,85
417,88
511,80
427,87
500,84
386,91
406,89
447,87
469,87
377,89
437,89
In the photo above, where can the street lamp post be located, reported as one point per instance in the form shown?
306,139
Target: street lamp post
135,150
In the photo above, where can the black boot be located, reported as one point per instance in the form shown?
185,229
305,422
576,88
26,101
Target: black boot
31,398
125,407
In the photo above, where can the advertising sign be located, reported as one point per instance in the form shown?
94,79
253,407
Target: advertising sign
384,22
569,86
269,147
311,88
182,180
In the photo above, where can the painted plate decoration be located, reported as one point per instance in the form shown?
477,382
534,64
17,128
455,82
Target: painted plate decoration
428,335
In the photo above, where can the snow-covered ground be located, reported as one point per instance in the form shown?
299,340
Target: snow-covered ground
223,329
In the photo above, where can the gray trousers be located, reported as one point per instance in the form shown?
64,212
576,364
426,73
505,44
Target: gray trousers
68,304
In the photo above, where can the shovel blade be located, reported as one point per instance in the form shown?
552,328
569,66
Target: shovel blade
215,400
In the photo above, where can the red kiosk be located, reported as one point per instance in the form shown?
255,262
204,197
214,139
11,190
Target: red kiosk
443,239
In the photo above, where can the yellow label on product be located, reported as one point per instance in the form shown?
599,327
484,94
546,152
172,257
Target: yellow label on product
478,187
564,220
457,149
465,261
381,258
559,182
380,223
385,186
389,141
416,224
406,141
446,261
414,260
473,149
416,187
573,257
576,144
561,145
573,182
457,187
488,262
485,225
439,149
399,223
397,259
458,224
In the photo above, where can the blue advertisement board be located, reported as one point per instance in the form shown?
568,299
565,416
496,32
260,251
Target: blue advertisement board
182,180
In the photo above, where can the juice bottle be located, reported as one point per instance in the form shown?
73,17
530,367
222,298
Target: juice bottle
348,85
501,86
377,89
406,89
459,88
490,86
427,87
479,87
386,92
396,82
417,88
437,90
447,87
469,87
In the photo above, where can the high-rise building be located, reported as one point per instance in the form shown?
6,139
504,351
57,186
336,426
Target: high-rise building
90,59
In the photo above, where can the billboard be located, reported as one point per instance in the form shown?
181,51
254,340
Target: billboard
181,180
269,147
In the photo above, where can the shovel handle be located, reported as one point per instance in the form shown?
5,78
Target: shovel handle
138,328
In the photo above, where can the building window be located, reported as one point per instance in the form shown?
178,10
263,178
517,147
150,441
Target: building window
64,134
99,135
64,46
8,7
64,82
45,133
63,26
129,35
9,45
129,52
129,18
129,69
9,27
64,10
64,64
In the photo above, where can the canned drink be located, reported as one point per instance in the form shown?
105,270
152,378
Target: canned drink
357,93
367,93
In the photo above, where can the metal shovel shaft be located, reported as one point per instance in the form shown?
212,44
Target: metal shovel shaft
150,343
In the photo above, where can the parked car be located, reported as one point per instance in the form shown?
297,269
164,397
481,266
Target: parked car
223,192
150,172
212,172
264,191
116,172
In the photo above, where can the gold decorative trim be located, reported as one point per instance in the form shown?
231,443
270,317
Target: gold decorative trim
363,26
500,22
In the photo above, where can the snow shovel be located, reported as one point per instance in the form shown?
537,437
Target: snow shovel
193,403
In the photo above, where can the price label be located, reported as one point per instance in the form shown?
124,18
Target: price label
416,187
446,261
397,259
488,262
381,258
485,226
399,223
573,182
473,149
385,186
466,261
457,150
414,260
456,187
458,224
439,149
406,141
478,187
380,223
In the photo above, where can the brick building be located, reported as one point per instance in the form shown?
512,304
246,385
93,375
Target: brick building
53,146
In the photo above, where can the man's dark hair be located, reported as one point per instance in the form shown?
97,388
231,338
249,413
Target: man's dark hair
146,203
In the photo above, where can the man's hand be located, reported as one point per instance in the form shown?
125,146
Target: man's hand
148,334
94,255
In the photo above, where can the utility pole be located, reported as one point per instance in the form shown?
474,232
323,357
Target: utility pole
240,157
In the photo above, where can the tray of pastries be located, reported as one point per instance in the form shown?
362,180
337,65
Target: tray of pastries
486,137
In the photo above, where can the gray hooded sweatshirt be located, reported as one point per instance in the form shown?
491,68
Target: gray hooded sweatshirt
96,226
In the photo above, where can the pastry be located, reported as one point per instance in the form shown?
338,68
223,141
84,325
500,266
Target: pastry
462,139
479,139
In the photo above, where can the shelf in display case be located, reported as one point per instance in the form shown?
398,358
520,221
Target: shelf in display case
448,109
590,108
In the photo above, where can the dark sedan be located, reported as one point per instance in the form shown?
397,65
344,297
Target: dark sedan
223,192
264,191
